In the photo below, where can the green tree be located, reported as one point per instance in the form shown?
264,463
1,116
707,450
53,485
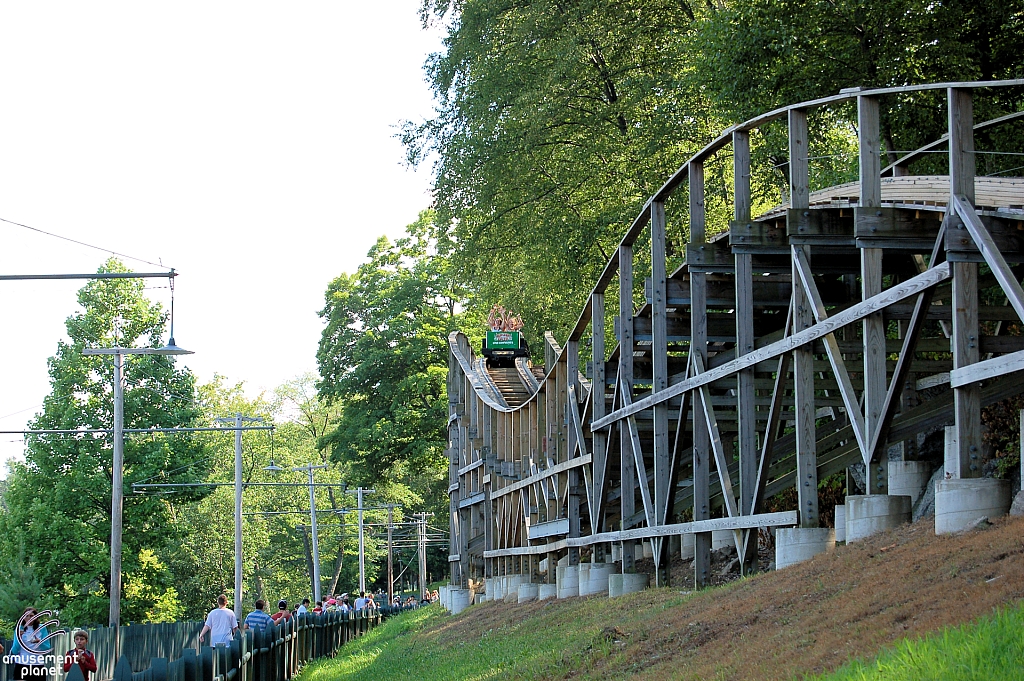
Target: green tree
555,121
383,357
58,499
20,587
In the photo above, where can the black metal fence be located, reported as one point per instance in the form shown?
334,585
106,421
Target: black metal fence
171,652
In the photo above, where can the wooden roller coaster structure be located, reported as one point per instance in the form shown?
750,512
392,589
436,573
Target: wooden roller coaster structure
761,364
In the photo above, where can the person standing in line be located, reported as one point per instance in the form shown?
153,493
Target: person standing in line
361,601
303,608
221,623
81,656
257,619
283,614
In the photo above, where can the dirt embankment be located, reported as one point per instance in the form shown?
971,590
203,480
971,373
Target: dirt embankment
807,618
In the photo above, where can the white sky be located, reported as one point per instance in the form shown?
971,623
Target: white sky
247,144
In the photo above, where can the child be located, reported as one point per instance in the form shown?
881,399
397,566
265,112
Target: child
85,659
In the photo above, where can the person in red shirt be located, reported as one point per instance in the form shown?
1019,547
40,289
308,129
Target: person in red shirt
282,614
84,658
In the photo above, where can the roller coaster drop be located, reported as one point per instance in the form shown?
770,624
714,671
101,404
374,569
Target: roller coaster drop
759,365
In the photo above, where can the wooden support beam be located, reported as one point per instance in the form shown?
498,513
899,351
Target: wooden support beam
875,385
911,339
638,461
699,347
627,471
835,357
598,410
717,446
746,438
890,296
803,395
967,398
659,357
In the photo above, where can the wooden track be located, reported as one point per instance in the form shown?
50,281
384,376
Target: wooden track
824,335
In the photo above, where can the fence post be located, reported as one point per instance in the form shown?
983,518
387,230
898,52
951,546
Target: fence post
206,663
157,669
190,664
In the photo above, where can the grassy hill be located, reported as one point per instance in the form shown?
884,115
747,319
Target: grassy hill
848,605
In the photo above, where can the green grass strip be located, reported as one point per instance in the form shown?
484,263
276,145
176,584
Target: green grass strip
990,649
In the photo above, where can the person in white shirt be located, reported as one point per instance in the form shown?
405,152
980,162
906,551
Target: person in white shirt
302,609
221,623
361,601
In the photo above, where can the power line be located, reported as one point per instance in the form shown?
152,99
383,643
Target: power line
81,243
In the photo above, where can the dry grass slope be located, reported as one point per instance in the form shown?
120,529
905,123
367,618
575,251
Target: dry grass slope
807,619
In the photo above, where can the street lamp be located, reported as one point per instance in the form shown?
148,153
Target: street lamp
117,493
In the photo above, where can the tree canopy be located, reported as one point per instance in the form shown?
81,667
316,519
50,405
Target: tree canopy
383,356
554,121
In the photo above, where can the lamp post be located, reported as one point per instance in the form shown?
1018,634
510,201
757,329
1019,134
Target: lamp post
309,468
117,491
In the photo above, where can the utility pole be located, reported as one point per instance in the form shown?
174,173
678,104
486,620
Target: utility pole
117,498
421,547
309,468
238,420
362,558
390,566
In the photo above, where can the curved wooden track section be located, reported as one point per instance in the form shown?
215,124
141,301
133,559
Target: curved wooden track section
815,338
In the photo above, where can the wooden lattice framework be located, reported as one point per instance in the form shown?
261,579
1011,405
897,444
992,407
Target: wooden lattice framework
762,363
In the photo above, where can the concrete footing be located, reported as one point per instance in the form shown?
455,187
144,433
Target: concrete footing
796,544
869,514
528,592
546,591
584,579
619,584
688,550
960,502
599,575
568,581
721,539
840,522
459,600
635,582
910,478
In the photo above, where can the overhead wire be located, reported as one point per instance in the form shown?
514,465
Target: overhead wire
82,243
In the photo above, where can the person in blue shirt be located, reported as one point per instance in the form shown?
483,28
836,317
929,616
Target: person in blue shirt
257,619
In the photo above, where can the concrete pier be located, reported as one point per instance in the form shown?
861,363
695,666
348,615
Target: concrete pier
528,592
872,513
840,523
796,544
910,478
960,502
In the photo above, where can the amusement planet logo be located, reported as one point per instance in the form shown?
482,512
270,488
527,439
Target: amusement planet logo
38,655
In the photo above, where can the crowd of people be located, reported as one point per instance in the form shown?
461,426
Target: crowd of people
221,624
33,644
